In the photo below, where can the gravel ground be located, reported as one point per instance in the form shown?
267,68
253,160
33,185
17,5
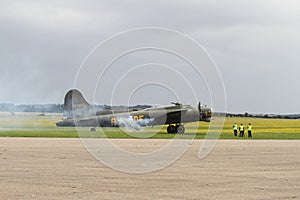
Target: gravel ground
57,168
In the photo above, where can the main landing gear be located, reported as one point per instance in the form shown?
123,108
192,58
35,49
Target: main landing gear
175,129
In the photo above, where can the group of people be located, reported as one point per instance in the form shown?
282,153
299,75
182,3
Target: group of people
241,130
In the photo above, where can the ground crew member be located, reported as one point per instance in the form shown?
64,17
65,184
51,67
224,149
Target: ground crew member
249,130
235,129
241,129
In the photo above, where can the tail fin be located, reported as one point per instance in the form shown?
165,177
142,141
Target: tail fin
75,104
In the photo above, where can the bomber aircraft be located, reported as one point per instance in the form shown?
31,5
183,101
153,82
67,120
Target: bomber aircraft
78,112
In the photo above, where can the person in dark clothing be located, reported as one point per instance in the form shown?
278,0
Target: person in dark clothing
241,129
235,129
249,128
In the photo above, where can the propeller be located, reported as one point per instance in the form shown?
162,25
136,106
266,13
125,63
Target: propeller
199,108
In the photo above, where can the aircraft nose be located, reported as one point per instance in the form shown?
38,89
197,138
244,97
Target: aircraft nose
208,113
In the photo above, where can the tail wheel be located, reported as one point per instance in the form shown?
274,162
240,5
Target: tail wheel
180,129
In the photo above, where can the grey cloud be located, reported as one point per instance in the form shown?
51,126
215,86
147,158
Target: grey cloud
254,43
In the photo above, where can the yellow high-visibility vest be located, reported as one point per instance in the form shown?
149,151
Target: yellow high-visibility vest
241,128
249,128
235,127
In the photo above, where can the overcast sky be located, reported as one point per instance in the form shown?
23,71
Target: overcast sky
254,43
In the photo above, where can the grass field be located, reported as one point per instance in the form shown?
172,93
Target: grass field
44,126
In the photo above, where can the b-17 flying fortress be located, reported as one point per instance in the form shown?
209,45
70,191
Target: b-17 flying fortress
78,112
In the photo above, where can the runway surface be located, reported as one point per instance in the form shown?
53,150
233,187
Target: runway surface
57,168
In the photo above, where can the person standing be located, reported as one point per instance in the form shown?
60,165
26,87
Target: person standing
249,128
241,129
235,129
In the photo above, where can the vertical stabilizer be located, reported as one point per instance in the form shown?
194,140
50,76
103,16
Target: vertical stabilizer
75,104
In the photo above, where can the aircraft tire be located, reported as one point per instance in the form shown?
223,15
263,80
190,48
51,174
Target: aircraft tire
93,129
171,129
180,129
